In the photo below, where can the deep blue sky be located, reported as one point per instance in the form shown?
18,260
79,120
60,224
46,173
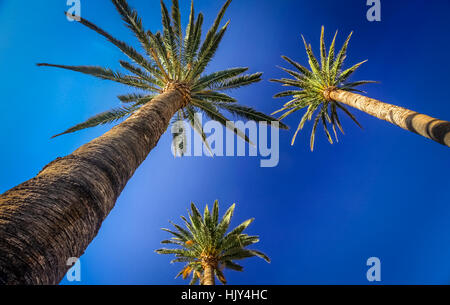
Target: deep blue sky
381,191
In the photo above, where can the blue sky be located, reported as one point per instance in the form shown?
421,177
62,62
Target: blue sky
381,191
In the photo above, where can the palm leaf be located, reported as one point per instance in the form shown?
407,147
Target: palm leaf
101,119
209,40
236,82
214,114
176,18
104,73
197,127
249,114
217,77
233,266
125,48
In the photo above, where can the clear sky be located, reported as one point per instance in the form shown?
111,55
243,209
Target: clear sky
381,191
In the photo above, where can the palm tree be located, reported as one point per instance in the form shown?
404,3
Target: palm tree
55,215
206,248
325,88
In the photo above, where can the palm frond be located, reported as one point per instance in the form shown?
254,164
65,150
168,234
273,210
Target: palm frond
133,22
101,119
193,42
233,266
240,254
324,75
217,77
130,98
105,73
212,112
136,99
209,40
141,74
224,223
125,48
213,97
249,114
343,108
205,57
236,82
195,279
176,18
170,41
220,276
190,112
339,61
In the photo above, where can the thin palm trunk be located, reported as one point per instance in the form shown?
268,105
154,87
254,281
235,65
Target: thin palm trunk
55,215
421,124
208,275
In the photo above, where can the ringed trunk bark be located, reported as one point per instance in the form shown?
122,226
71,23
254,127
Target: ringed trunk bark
208,276
421,124
55,215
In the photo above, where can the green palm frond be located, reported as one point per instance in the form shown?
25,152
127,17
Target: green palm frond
211,111
108,74
240,254
195,124
125,48
220,276
233,266
323,75
205,239
215,77
138,99
195,279
209,40
102,118
236,82
248,113
172,56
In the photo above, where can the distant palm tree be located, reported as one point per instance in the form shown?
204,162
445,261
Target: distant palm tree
325,88
54,216
206,248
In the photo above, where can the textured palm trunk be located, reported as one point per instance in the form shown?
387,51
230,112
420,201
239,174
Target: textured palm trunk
421,124
208,276
55,215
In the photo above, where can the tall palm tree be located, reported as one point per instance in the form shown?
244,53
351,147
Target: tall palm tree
206,248
324,88
55,215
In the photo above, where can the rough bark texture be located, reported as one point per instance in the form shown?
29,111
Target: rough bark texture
421,124
208,275
55,215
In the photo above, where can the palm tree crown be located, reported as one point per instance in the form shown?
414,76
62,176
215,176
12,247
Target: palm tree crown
172,61
205,242
315,84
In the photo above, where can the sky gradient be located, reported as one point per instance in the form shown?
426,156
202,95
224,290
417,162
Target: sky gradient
381,191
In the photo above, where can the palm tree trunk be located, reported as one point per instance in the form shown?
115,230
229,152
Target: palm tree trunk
421,124
55,215
208,275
